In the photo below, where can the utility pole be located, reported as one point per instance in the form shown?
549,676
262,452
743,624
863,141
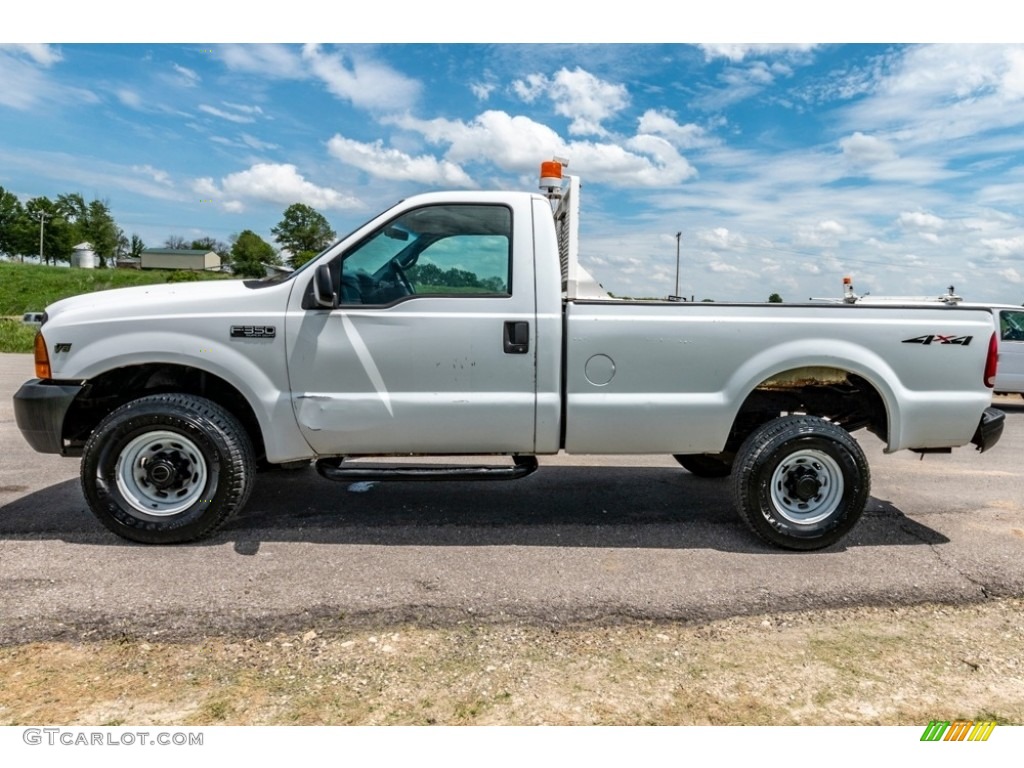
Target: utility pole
678,235
42,216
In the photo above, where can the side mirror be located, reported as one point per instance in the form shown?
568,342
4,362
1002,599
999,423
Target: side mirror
323,288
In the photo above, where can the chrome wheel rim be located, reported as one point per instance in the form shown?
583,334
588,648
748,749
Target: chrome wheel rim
807,487
161,473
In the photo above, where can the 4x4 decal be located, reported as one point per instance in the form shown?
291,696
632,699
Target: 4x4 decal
935,338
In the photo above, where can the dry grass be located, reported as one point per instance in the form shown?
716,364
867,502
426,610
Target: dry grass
902,666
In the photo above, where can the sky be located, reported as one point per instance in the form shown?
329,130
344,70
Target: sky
784,167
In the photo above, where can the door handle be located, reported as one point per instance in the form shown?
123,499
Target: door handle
517,337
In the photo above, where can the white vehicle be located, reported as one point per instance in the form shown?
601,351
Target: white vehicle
462,323
1009,321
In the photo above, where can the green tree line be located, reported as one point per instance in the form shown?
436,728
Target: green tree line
52,228
431,274
55,227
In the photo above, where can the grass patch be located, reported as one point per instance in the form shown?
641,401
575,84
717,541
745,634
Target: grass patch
15,336
32,287
838,667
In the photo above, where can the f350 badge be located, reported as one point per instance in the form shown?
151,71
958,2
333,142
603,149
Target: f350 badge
934,338
253,331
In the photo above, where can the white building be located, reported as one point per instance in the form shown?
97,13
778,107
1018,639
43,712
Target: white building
83,256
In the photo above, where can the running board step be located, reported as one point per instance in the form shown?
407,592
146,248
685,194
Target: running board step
333,469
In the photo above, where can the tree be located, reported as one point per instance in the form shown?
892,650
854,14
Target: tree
250,252
210,244
303,232
15,226
136,247
176,243
58,234
775,299
91,223
100,231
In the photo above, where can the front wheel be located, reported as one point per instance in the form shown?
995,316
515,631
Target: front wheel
167,469
800,482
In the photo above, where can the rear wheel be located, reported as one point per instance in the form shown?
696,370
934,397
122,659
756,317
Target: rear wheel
166,469
801,482
704,464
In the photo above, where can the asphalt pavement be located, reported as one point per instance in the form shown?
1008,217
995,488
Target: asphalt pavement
584,539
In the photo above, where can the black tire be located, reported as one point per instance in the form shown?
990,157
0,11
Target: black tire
704,464
167,469
801,482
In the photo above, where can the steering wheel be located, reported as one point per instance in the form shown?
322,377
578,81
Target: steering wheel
402,278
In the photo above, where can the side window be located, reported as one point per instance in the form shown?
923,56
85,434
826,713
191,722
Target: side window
463,250
1011,325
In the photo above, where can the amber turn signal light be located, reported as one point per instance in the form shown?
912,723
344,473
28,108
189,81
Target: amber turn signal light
42,358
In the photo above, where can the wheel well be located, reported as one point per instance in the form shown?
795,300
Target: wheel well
111,389
843,398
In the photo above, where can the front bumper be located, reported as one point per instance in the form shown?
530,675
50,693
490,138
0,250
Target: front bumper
990,429
39,410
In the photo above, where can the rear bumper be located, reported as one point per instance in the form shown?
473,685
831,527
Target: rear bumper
990,429
39,410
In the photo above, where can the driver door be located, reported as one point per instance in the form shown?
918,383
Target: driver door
431,347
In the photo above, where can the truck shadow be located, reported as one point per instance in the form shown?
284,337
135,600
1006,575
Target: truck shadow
601,507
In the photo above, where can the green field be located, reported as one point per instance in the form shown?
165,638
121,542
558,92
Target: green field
15,336
32,287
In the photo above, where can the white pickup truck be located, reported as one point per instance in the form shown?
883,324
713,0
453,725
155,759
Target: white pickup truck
462,323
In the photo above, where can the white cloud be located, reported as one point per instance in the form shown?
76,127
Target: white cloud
78,170
514,144
40,53
24,82
156,174
862,150
244,108
936,94
366,83
258,144
129,98
920,220
820,235
585,99
878,159
1011,275
270,60
205,187
188,77
531,87
667,160
388,163
274,183
1011,82
739,52
720,238
234,117
517,144
663,123
482,90
1005,246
